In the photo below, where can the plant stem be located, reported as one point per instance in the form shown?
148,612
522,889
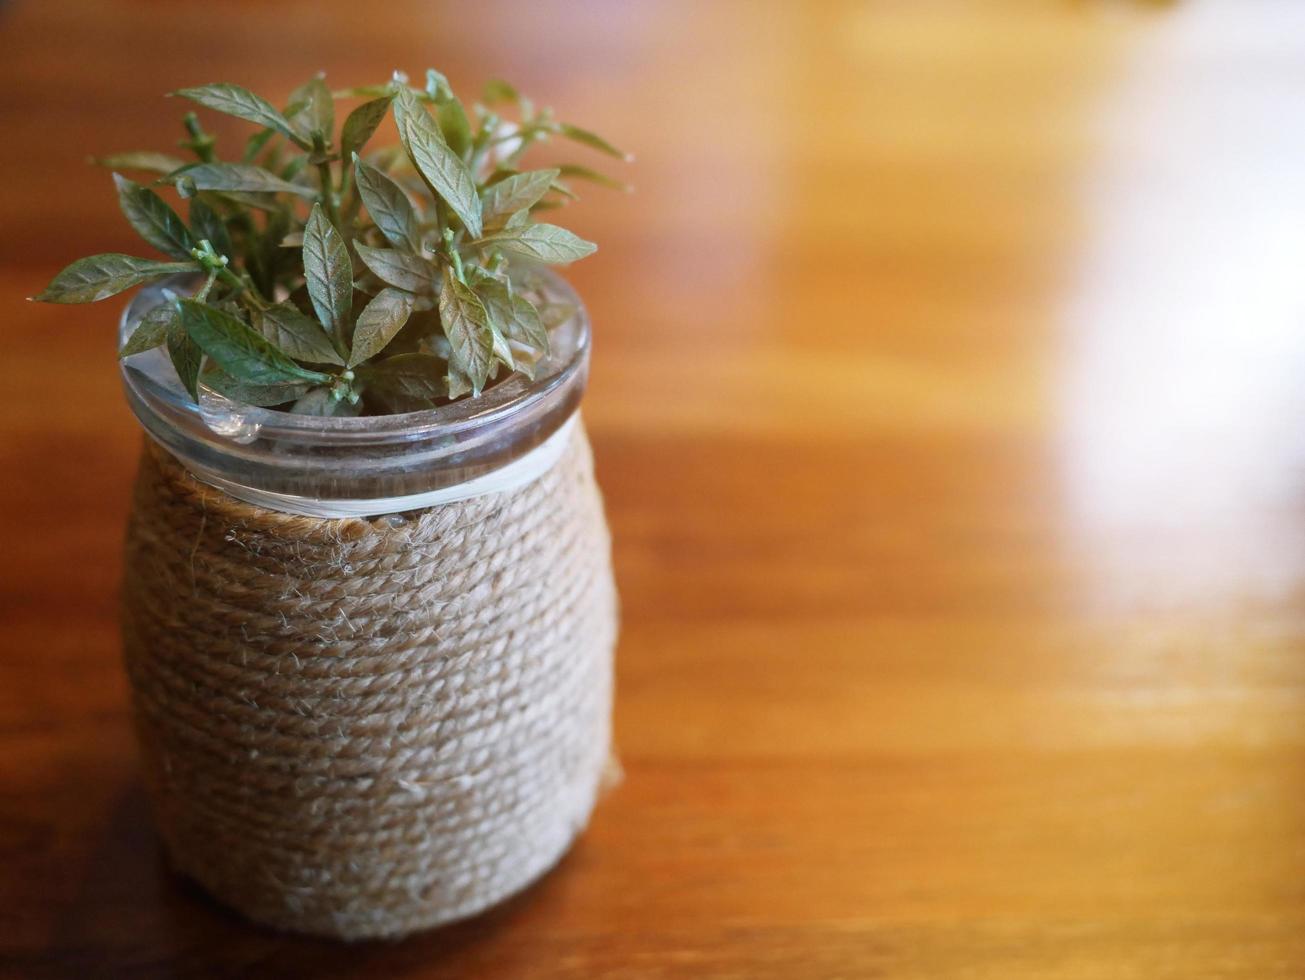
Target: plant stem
451,251
238,284
328,193
480,146
202,295
200,141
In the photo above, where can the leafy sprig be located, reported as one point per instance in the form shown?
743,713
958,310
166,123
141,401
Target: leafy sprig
334,280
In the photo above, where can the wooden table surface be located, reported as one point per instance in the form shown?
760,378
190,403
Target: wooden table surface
947,400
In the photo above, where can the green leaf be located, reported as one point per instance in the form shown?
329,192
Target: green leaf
269,203
497,90
153,220
441,168
151,331
437,86
562,190
321,401
265,258
156,163
527,360
295,167
513,316
98,277
592,140
254,145
242,103
239,349
263,396
208,224
366,91
434,341
467,325
542,243
388,206
240,177
360,124
501,172
328,272
411,376
555,314
318,112
186,357
457,382
515,193
593,176
296,334
410,272
454,125
526,326
377,324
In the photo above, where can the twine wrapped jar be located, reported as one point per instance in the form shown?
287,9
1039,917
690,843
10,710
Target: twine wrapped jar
370,658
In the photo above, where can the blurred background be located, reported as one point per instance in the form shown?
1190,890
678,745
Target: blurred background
947,400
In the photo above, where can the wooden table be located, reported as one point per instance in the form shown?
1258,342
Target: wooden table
948,404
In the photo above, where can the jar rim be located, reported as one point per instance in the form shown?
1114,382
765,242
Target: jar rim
368,464
163,396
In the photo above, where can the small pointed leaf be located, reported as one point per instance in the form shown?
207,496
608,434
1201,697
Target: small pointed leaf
406,382
317,109
457,383
360,124
208,224
593,176
151,331
441,168
296,334
410,272
377,324
328,272
592,140
555,314
98,277
497,90
542,243
153,220
263,396
467,325
242,178
513,315
388,206
526,327
237,101
454,125
155,163
239,349
515,193
254,145
186,357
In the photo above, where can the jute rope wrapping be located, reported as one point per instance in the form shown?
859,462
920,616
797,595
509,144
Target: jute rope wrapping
363,728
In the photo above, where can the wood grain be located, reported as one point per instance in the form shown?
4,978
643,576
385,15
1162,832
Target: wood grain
946,399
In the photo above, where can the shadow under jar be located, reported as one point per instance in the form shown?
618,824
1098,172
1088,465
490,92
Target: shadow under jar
357,725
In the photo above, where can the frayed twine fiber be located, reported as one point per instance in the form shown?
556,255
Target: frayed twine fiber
362,728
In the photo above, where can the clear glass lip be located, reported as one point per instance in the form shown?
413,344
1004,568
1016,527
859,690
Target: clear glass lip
234,446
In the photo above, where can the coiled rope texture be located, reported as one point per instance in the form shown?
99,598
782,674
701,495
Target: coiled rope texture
363,728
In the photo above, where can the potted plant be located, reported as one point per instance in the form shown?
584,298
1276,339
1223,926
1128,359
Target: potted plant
368,605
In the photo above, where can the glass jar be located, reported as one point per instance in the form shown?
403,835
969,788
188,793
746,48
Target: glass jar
370,659
332,467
